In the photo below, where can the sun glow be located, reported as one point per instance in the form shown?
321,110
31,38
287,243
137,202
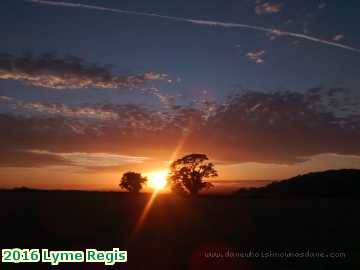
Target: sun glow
157,180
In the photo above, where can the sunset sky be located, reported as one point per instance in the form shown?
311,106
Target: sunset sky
267,89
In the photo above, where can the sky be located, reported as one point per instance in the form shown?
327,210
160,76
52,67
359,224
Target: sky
91,89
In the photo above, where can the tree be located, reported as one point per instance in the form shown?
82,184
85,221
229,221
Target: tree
132,182
187,174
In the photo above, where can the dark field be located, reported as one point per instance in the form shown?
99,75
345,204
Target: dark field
178,233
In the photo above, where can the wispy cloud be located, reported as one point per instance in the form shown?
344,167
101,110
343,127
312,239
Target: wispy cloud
66,111
338,37
257,56
99,112
199,22
53,72
267,8
5,99
25,159
93,159
106,112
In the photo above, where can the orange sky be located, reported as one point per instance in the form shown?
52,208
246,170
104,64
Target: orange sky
72,177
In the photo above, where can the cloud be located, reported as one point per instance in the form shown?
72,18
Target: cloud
280,127
152,76
257,56
338,37
5,99
52,72
19,158
94,159
96,112
90,112
198,22
283,126
267,8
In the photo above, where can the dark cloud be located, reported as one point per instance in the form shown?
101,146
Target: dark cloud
280,127
53,72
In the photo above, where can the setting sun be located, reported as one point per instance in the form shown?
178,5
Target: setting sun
157,180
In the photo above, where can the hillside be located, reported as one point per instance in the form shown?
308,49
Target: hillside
332,183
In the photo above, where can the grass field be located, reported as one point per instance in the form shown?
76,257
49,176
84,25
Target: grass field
179,233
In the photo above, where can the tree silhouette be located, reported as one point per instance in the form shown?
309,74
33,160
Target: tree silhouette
132,182
187,174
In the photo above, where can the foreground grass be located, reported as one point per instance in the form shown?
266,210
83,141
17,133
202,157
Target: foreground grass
177,231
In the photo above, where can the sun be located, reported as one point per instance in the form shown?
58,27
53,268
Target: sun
157,180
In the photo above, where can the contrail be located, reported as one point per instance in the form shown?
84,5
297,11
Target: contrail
199,22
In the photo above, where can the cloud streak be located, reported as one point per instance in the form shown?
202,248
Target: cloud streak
93,159
52,72
200,22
